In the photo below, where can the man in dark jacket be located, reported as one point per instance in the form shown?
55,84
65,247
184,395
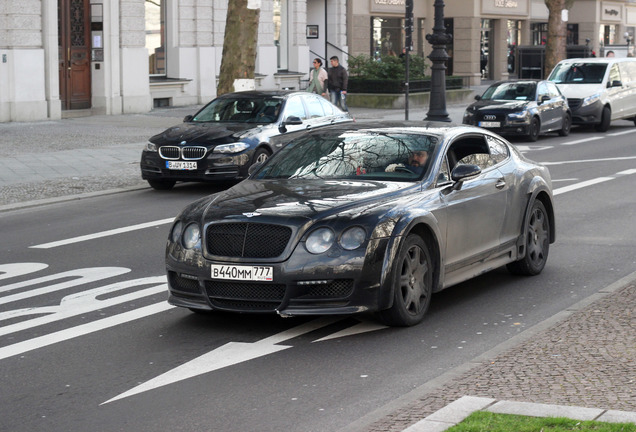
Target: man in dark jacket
337,82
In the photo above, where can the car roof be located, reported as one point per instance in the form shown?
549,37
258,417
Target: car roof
251,94
598,60
397,126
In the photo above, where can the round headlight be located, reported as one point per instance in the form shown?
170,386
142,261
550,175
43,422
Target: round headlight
352,238
175,235
320,240
191,236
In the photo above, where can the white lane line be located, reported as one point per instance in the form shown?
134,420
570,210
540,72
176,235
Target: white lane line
622,133
81,330
589,160
102,234
583,140
581,185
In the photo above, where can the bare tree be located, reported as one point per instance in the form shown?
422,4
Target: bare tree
239,44
557,33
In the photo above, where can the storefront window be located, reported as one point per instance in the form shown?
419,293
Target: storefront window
156,36
607,34
280,33
513,39
573,34
387,36
539,33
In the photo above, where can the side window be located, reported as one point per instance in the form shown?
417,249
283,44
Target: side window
553,90
326,106
314,107
614,74
542,90
295,107
498,149
470,150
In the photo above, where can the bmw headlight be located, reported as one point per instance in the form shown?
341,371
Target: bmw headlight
177,229
320,240
352,238
151,147
591,99
191,236
236,147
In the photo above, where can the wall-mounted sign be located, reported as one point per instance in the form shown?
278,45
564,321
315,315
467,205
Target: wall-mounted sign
505,7
396,6
611,11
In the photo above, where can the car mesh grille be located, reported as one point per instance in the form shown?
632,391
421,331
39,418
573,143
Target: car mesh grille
182,284
186,153
245,296
574,103
247,240
339,288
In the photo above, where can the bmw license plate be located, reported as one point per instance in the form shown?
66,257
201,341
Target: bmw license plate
249,273
487,124
181,165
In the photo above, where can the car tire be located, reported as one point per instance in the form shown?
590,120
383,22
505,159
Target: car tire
260,156
412,284
566,126
533,129
162,184
606,119
537,244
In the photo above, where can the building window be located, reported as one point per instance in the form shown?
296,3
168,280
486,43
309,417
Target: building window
539,33
387,36
281,34
156,36
573,34
607,34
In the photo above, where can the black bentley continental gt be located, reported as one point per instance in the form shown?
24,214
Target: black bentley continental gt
231,133
363,217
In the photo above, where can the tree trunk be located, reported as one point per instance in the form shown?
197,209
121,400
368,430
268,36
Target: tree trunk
239,46
555,50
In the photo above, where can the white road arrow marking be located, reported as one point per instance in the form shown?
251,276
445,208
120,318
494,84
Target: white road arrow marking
237,352
18,269
363,327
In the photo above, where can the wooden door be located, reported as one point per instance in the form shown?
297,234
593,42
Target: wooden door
74,53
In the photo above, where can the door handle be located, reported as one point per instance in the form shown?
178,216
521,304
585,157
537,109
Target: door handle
501,183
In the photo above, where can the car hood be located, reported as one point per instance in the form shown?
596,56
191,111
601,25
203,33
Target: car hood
302,199
203,133
579,91
499,105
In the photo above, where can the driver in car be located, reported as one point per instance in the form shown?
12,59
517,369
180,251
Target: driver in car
416,163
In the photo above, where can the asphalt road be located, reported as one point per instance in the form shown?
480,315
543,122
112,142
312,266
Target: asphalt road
88,342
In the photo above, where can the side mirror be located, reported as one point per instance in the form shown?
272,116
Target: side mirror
543,99
463,172
292,120
477,97
188,118
617,83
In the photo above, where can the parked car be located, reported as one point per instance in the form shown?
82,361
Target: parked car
340,221
529,108
599,90
229,134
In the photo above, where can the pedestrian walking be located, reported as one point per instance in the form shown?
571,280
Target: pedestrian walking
318,81
337,83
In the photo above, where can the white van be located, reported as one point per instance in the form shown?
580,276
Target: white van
598,90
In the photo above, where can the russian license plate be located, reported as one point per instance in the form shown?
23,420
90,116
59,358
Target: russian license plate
250,273
181,165
489,124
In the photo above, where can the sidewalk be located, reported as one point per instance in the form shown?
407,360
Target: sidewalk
583,357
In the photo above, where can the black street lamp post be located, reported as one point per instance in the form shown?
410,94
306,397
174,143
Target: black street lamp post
439,39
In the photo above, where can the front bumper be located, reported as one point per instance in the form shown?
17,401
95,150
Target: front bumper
587,115
214,167
337,282
506,126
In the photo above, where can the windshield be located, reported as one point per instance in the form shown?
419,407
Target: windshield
240,110
510,91
578,73
353,154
